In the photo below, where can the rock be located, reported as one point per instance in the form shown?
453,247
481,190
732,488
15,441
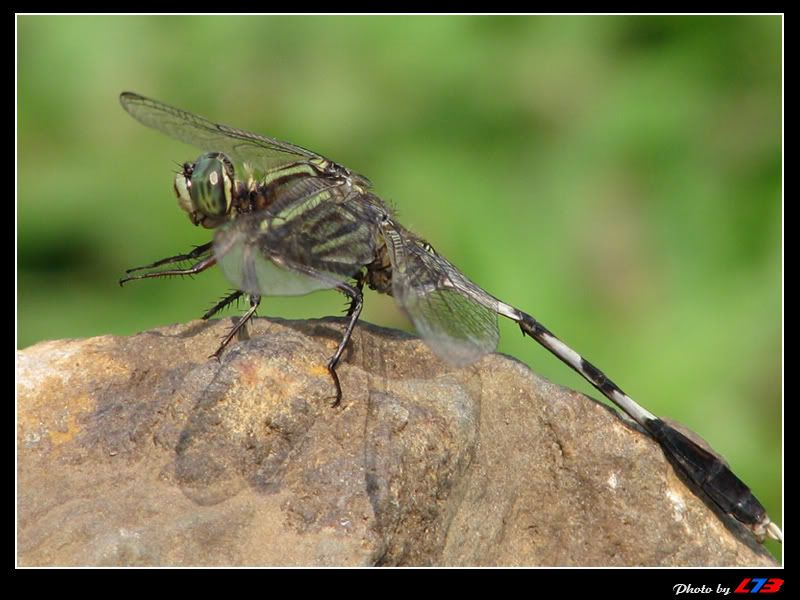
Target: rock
142,451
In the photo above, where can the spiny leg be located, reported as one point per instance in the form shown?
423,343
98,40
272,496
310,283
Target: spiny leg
703,468
356,304
360,278
196,253
254,302
196,268
232,297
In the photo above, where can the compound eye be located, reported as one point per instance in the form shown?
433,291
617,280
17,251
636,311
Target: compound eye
210,186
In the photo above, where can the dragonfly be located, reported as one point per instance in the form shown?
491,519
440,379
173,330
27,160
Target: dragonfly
289,222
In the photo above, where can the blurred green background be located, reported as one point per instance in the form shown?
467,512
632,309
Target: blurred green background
617,177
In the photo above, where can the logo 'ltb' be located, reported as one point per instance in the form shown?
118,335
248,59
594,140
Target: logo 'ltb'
759,585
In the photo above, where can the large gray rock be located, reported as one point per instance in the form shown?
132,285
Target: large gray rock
142,451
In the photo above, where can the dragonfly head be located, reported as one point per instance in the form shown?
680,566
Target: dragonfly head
204,189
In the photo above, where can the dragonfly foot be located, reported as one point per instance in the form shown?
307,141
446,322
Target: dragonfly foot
338,398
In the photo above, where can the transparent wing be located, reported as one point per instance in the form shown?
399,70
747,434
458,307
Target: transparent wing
454,316
241,146
311,244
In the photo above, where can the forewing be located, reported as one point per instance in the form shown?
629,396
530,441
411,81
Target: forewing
311,244
241,146
453,315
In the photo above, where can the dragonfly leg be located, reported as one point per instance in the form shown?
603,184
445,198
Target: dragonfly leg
356,303
232,297
196,268
360,278
196,253
254,302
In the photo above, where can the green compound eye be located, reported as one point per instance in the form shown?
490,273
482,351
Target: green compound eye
210,188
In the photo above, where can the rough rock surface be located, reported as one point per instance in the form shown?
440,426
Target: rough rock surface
142,451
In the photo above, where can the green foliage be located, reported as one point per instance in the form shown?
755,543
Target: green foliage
617,177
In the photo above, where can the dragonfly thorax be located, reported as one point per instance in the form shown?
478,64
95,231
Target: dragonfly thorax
204,189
